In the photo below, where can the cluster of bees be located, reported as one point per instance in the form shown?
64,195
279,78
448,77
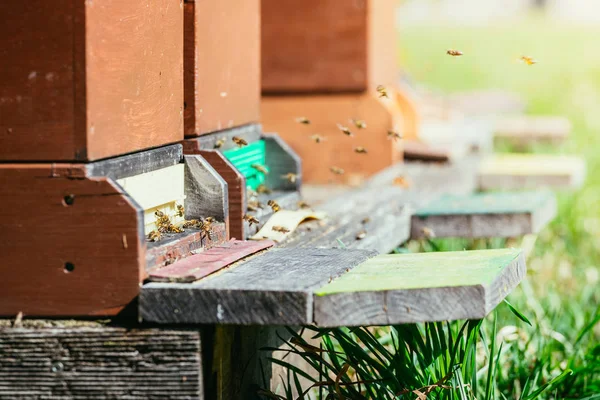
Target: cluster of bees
165,225
254,205
525,59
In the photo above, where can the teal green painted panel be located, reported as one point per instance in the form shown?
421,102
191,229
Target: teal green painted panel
423,270
487,203
242,158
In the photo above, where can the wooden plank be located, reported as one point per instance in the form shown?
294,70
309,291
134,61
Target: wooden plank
69,361
250,133
499,214
287,219
529,129
521,171
286,200
201,265
104,79
221,65
74,265
273,289
409,288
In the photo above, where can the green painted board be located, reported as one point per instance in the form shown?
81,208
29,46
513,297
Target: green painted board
242,158
403,288
498,214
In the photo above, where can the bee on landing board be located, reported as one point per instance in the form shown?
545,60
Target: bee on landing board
361,235
359,123
360,150
263,189
274,205
290,177
345,130
190,223
317,138
382,91
401,181
336,170
260,168
280,229
239,141
302,205
220,142
154,236
251,219
454,53
303,120
393,135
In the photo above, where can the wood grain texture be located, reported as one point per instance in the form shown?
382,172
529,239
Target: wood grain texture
408,288
250,133
273,289
281,160
499,214
106,258
523,171
201,265
91,79
99,362
222,65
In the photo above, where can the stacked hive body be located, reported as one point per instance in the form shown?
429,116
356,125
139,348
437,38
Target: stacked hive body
324,60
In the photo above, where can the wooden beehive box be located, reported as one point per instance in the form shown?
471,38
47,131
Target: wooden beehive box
221,65
75,236
86,80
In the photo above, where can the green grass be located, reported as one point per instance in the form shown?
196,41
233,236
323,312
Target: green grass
503,357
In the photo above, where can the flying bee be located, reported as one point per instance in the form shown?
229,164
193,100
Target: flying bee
317,138
365,220
393,135
454,53
263,189
336,170
359,123
219,143
290,177
428,232
254,205
303,120
154,236
260,168
274,205
361,235
360,150
280,229
251,219
345,130
180,210
302,204
401,181
382,91
239,141
528,60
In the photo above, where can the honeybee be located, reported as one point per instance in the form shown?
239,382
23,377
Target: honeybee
220,142
290,176
365,220
281,229
454,53
260,168
254,205
336,170
239,141
206,229
428,232
190,223
382,91
154,236
180,210
345,130
401,181
361,235
360,150
274,205
251,219
359,123
303,120
528,60
393,135
174,229
209,220
317,138
263,189
303,204
162,221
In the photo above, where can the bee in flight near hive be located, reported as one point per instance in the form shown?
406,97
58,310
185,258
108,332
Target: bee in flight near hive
290,177
303,120
274,206
251,219
263,189
361,235
336,170
359,123
454,53
365,220
154,236
401,181
528,60
393,135
382,91
180,210
302,204
260,168
345,130
317,138
239,141
280,229
360,150
428,232
220,142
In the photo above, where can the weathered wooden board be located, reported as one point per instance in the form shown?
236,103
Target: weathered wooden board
408,288
287,219
203,264
250,133
89,80
273,289
420,151
286,200
520,171
498,214
526,130
99,362
281,160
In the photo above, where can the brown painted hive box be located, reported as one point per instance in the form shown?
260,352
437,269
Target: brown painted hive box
222,65
85,80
